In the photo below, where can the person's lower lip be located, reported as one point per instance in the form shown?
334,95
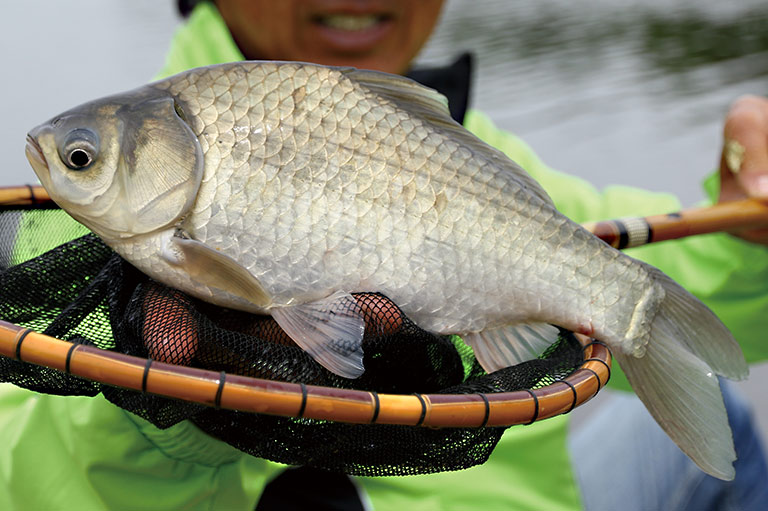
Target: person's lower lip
351,41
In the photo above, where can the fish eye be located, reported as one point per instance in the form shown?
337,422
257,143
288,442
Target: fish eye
79,158
80,148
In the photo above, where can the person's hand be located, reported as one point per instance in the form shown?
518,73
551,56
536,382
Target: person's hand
744,157
170,330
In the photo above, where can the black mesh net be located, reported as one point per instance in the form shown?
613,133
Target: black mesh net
80,291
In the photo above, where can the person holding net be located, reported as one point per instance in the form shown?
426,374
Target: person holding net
531,465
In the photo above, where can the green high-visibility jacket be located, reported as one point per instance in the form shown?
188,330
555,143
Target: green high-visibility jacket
84,453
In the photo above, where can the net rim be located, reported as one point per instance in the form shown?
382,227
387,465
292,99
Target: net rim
298,400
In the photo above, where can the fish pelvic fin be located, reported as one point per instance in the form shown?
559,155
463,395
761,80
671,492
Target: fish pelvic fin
498,348
676,377
330,330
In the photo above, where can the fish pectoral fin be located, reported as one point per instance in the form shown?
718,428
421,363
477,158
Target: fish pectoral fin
498,348
215,269
330,330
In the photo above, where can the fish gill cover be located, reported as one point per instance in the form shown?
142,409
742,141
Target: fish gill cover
82,292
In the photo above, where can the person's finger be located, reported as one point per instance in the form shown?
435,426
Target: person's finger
744,161
169,331
382,316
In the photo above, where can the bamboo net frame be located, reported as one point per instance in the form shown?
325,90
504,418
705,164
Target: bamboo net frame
247,394
314,402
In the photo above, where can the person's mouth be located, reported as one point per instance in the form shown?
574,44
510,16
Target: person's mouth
352,32
350,22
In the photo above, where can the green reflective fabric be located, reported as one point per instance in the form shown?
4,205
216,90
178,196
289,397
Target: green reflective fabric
84,453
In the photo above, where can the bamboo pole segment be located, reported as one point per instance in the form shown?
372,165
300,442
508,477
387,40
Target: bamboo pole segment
298,400
28,195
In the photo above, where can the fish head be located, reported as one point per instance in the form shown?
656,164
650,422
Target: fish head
123,166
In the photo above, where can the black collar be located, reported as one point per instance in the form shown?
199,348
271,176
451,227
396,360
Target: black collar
452,81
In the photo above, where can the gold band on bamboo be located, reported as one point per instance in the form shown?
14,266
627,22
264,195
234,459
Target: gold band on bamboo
220,389
602,362
487,410
68,361
20,340
303,401
535,406
376,407
595,341
32,194
637,232
145,376
575,395
423,408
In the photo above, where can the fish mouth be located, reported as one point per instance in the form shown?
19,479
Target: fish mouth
35,153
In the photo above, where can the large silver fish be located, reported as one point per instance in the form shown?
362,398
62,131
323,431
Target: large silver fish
281,188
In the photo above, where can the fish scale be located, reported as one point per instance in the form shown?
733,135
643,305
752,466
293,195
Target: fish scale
282,188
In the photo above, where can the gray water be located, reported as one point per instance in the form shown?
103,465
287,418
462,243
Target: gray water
629,92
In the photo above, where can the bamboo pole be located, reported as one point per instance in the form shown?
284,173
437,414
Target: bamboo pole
28,195
722,217
297,400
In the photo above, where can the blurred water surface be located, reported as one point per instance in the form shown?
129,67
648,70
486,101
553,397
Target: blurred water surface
616,91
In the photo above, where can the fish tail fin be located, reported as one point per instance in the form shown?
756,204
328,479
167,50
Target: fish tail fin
676,377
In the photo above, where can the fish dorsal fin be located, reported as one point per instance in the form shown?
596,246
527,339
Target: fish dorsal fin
330,330
510,345
403,91
432,107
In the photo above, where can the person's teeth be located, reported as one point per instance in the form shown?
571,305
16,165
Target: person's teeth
349,22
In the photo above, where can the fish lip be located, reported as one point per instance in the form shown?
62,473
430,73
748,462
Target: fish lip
34,150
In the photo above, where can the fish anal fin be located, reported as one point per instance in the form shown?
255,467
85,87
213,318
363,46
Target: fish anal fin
215,269
510,345
330,330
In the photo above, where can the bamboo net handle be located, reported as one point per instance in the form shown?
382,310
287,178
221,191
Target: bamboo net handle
620,233
298,400
725,216
27,195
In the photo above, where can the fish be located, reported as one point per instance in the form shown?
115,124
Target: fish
282,188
